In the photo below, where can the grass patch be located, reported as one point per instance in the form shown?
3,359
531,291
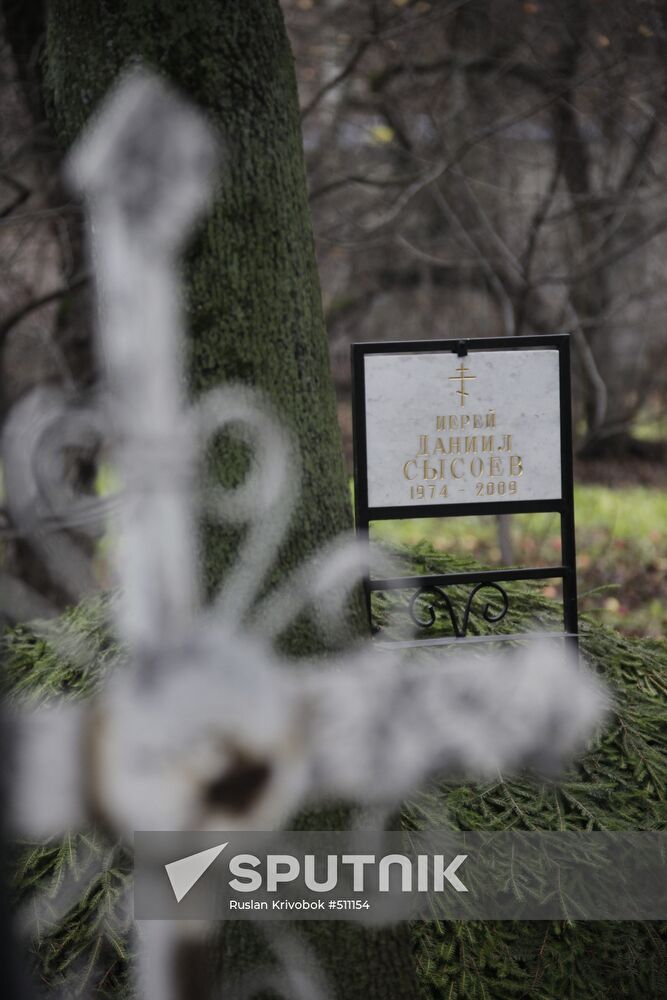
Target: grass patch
621,550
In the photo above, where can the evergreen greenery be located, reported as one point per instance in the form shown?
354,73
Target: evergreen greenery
86,943
618,784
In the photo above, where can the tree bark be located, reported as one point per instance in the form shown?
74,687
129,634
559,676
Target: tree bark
253,313
590,298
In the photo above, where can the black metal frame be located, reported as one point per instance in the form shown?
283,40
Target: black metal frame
436,584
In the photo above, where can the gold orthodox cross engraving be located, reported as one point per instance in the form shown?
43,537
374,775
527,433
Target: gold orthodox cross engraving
462,378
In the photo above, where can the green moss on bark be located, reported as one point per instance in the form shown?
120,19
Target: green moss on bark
254,313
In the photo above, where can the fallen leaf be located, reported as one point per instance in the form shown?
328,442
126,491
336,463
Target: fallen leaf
382,133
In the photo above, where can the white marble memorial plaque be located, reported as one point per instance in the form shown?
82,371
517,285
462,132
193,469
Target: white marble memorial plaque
447,430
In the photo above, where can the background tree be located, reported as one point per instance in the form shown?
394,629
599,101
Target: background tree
254,312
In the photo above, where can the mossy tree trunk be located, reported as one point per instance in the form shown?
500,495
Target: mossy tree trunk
253,303
254,311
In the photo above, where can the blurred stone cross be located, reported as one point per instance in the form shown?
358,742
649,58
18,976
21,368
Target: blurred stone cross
146,168
201,725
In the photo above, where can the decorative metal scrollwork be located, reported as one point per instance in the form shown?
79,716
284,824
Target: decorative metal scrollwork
440,597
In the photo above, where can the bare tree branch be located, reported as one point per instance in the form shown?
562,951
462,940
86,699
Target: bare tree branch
43,300
528,256
336,80
630,247
22,194
365,181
